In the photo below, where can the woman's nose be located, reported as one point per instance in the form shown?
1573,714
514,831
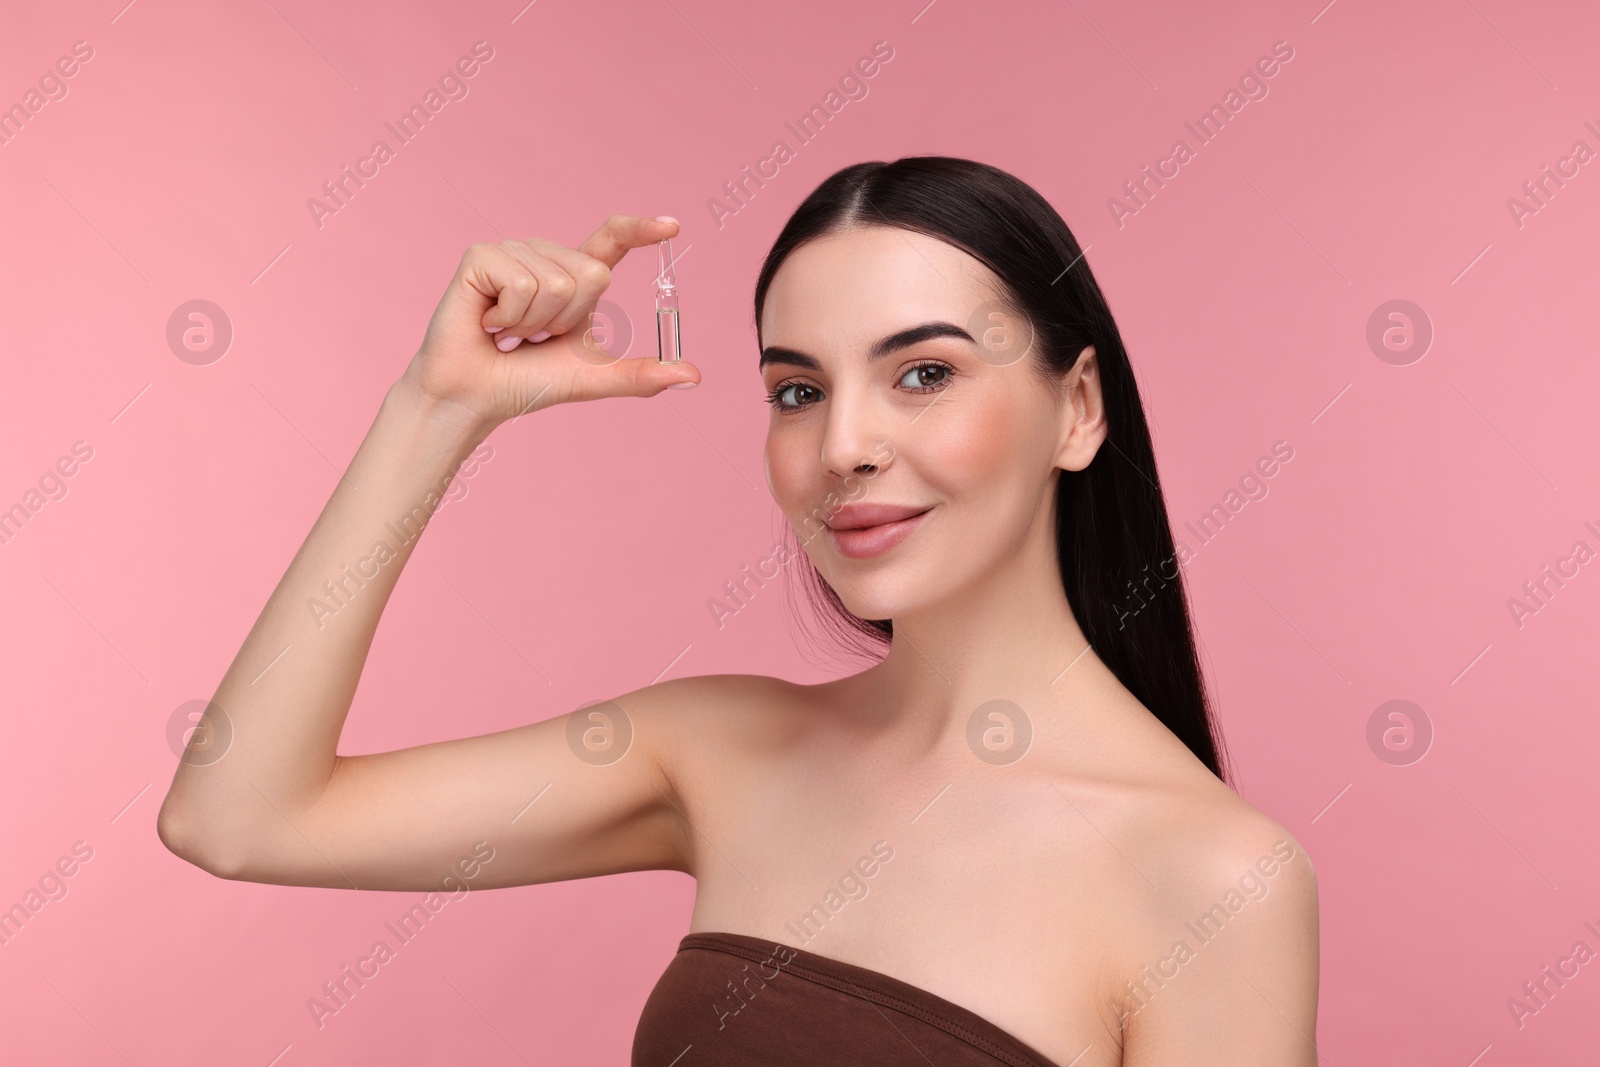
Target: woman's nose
854,438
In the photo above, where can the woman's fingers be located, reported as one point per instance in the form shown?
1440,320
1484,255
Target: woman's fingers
505,280
567,282
619,233
541,292
590,276
513,291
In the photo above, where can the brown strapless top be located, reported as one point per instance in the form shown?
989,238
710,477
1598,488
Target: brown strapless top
734,999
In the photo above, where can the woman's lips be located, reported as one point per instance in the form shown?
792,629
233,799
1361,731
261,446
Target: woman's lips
873,540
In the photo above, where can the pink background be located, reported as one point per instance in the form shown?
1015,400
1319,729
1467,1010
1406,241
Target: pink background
1379,566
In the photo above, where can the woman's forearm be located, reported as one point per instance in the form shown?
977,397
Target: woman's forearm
268,745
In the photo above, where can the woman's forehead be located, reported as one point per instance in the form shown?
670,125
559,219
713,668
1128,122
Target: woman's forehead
867,282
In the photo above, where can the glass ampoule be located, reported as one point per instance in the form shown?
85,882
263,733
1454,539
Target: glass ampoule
667,338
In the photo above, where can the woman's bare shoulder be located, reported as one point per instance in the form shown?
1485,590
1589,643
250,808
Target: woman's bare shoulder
1208,840
714,695
717,737
1189,833
710,716
1192,879
1230,899
1200,874
1166,809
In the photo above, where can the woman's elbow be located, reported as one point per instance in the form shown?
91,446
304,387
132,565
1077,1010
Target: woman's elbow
183,840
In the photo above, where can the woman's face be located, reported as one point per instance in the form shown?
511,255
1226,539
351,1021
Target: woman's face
953,420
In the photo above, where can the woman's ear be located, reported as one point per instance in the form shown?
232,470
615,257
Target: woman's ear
1083,416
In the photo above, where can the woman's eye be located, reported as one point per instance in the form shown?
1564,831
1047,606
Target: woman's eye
925,377
777,397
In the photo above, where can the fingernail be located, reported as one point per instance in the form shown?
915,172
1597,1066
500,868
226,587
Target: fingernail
666,218
540,336
683,385
493,329
508,342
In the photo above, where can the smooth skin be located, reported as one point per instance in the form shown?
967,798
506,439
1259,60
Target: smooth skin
1036,893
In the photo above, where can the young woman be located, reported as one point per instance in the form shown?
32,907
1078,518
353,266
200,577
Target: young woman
1009,841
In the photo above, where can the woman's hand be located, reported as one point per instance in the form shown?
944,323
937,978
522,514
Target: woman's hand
512,332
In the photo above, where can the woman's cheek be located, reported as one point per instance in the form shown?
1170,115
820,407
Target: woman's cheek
787,478
968,447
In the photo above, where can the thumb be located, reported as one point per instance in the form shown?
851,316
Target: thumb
649,376
605,375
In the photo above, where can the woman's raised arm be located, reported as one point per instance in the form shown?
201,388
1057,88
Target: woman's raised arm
261,793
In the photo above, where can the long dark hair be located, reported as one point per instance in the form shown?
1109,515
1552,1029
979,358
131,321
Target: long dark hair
1119,567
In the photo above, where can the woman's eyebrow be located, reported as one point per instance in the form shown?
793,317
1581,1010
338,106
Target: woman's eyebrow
893,343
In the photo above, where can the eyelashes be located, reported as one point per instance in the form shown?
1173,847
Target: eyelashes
775,398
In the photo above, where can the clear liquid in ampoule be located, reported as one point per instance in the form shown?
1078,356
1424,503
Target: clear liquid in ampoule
667,332
667,338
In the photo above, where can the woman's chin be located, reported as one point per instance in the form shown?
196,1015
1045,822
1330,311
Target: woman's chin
869,599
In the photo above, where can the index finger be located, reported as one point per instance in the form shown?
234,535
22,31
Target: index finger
619,233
